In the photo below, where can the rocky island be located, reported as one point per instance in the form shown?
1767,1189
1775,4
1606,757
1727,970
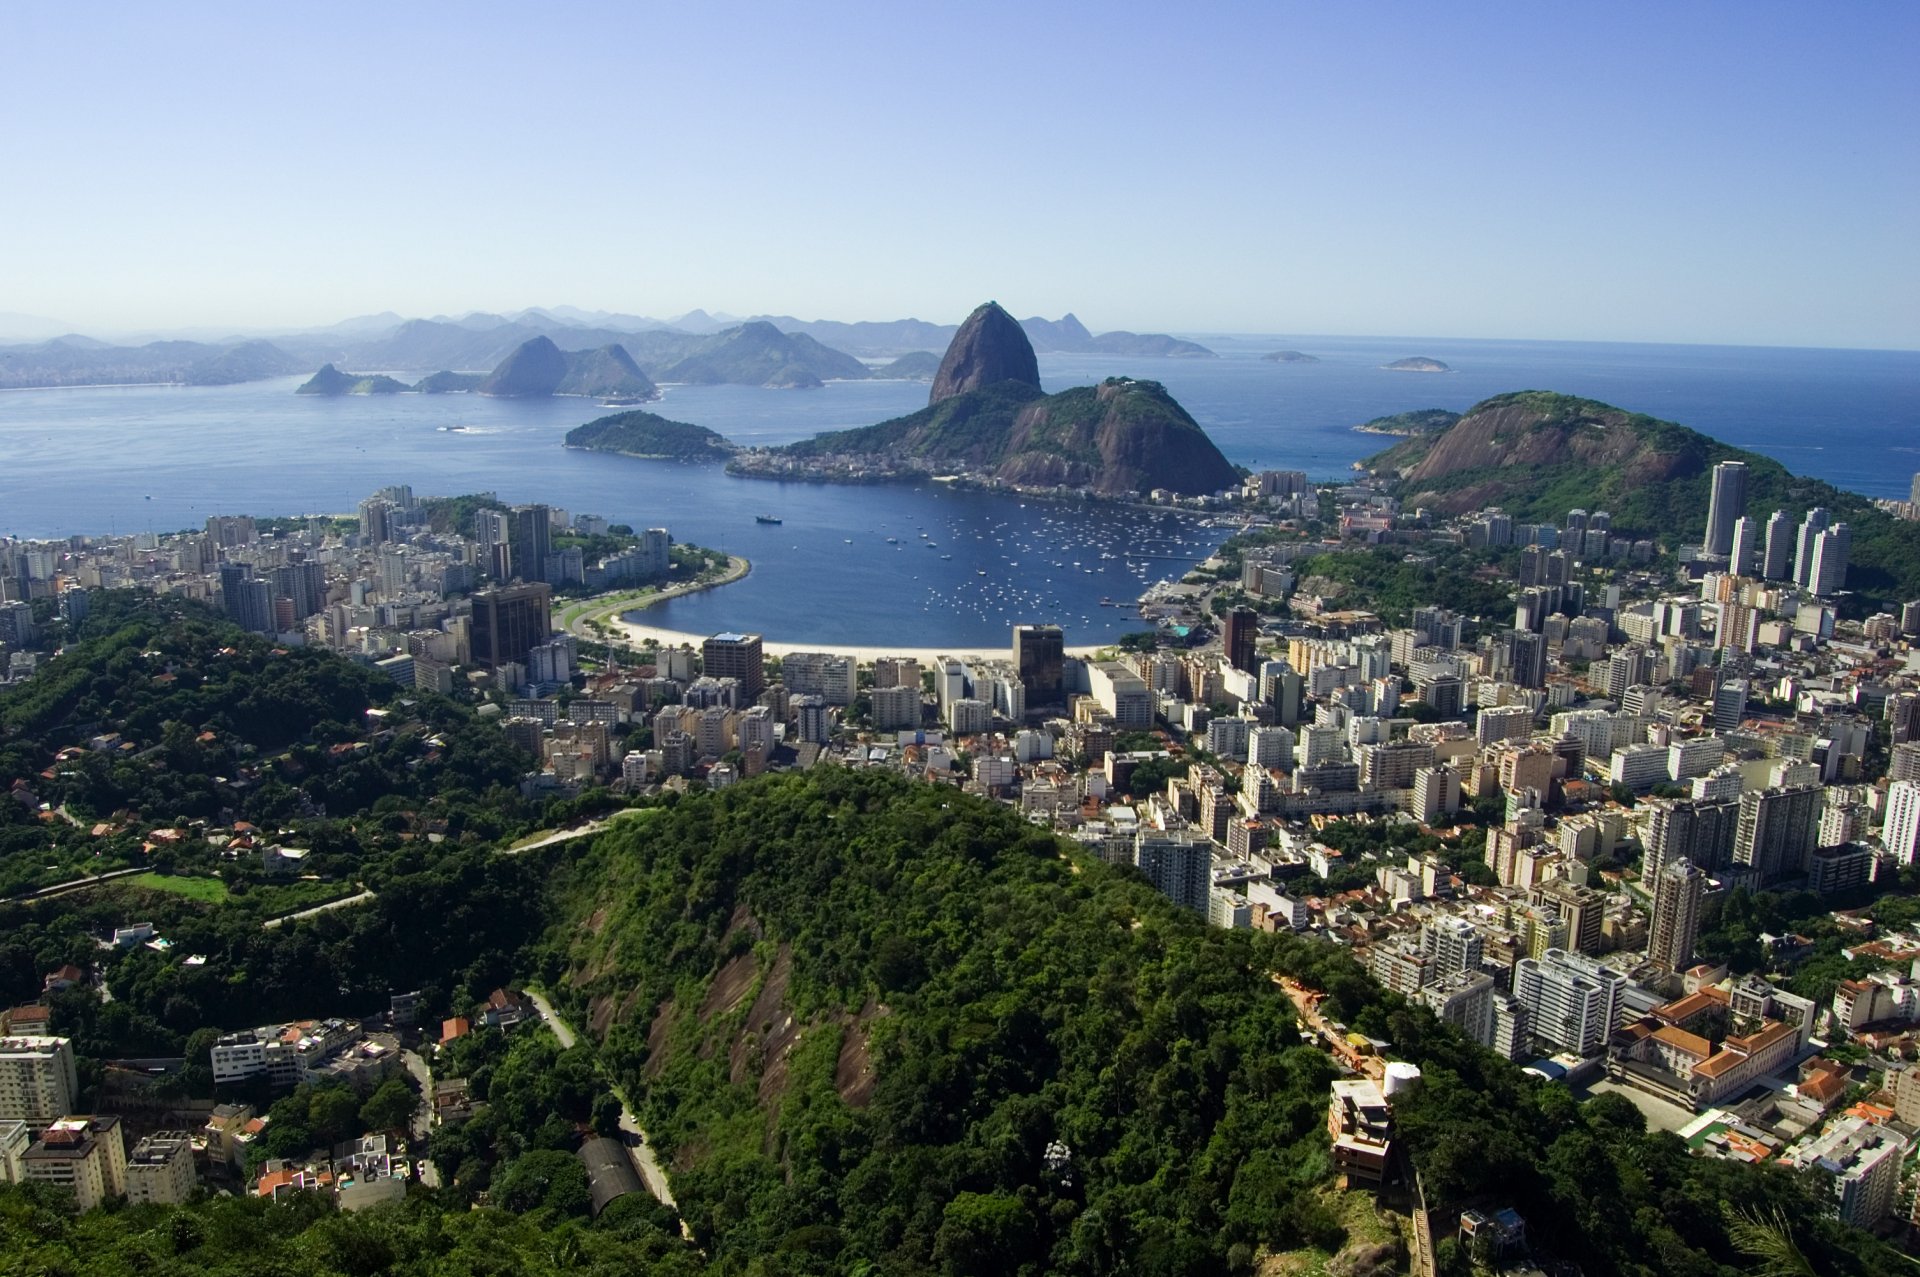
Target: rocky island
331,381
1416,363
1290,357
988,419
538,368
918,365
1411,425
646,434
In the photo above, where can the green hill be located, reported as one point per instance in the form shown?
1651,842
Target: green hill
758,354
645,434
331,381
606,373
1537,454
919,365
1421,421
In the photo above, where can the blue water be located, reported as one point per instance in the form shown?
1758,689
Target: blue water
164,458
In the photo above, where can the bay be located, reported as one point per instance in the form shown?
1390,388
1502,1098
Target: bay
118,460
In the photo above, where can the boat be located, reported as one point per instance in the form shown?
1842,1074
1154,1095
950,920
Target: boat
765,518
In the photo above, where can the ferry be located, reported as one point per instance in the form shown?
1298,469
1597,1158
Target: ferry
765,518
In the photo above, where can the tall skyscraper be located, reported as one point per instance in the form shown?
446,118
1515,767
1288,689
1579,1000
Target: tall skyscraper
1675,923
1730,704
1242,628
1039,651
1779,547
1810,528
247,599
1832,549
508,623
1745,553
1701,832
302,584
1726,504
376,521
736,656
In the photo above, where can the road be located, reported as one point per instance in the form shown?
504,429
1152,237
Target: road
422,1124
273,923
76,884
636,1138
559,835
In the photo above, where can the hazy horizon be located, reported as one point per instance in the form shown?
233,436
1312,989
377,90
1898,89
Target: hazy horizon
1643,174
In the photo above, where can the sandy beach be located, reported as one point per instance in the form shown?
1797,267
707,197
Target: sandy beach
775,647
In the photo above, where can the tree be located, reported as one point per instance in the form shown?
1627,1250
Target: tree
333,1113
606,1115
391,1107
984,1233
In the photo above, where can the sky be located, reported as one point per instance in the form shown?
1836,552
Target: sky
1714,172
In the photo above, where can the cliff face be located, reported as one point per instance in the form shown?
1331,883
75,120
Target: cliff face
989,348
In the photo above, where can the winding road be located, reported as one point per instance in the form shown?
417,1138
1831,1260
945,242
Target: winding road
635,1138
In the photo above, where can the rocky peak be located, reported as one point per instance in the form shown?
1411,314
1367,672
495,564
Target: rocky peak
989,348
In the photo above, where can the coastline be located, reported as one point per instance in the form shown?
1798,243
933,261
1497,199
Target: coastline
638,634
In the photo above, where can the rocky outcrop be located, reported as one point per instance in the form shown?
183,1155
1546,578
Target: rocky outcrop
535,368
538,368
990,348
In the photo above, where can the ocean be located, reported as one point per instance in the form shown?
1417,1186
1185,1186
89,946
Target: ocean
914,566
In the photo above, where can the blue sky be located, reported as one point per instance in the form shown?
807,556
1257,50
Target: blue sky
1742,173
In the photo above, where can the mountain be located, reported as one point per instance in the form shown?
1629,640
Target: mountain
918,365
645,434
449,383
537,368
606,373
759,354
1417,363
1537,455
331,381
1156,345
1064,333
81,361
534,369
988,348
868,338
1290,357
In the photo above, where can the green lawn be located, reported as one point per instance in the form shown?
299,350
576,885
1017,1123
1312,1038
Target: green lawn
210,890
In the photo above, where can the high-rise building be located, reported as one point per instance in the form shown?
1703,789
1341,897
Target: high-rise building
1454,943
1901,832
1675,923
1039,652
86,1156
1810,528
1730,704
38,1079
895,707
1745,553
1778,830
508,623
1242,628
1779,546
736,656
529,537
248,600
1529,658
1701,832
1179,863
302,584
376,521
1726,504
1572,1001
160,1169
1832,549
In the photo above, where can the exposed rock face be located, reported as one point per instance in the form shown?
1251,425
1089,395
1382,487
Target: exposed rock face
990,348
535,368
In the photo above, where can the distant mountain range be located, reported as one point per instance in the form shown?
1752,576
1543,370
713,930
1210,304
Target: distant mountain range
698,347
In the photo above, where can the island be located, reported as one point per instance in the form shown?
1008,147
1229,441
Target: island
538,368
988,419
1421,421
646,434
450,383
331,381
1416,363
1290,357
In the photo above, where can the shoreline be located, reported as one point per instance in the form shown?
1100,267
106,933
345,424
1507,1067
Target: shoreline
637,634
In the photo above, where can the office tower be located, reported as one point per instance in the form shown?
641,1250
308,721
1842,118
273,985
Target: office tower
376,521
529,538
1725,506
1746,546
1810,528
1572,1001
1901,832
1778,830
1179,863
1730,704
735,656
1242,628
38,1079
1779,546
1039,652
508,623
1831,550
1675,923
